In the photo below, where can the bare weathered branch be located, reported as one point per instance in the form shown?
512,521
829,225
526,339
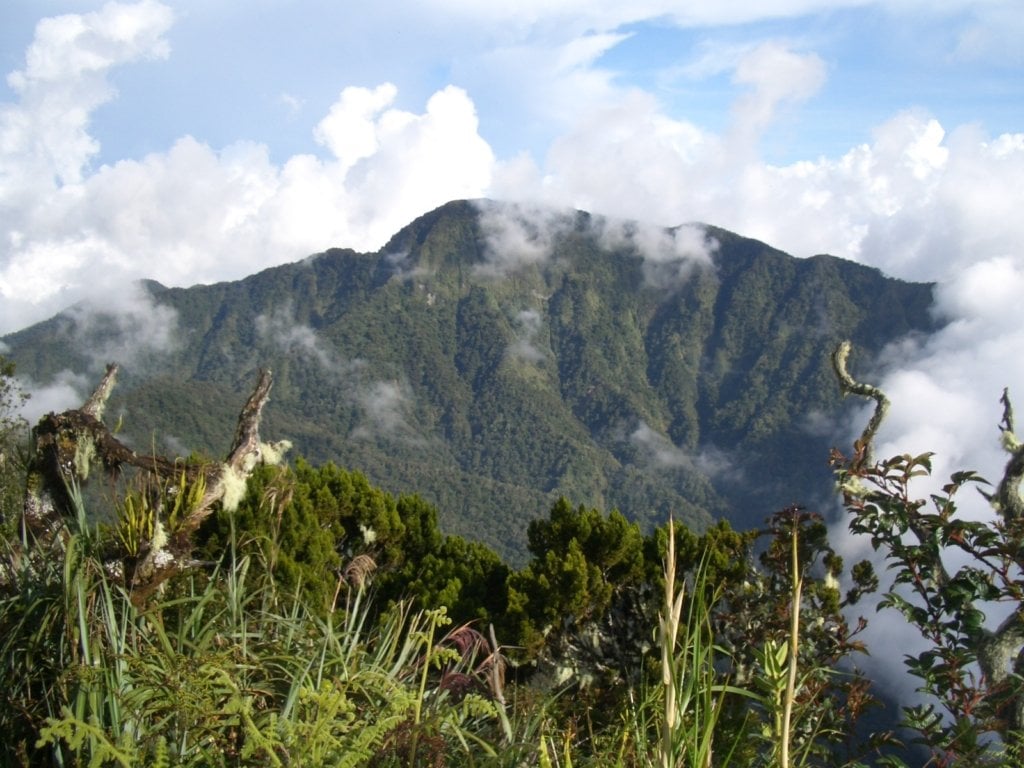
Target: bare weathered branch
98,399
1007,499
229,479
850,386
70,444
225,485
247,434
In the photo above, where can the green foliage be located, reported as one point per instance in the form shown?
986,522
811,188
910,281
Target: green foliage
309,524
691,690
235,667
970,670
225,670
580,557
705,648
802,668
465,576
492,406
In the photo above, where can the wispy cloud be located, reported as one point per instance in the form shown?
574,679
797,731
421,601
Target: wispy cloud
528,326
669,255
127,327
517,235
387,412
66,390
656,450
280,328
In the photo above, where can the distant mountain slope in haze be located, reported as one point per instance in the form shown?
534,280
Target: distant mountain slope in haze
493,358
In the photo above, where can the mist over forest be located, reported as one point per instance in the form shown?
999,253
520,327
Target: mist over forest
511,384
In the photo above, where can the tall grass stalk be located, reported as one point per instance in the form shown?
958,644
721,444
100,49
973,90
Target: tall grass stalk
794,648
668,627
693,696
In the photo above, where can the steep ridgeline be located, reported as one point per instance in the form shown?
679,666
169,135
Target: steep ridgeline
492,358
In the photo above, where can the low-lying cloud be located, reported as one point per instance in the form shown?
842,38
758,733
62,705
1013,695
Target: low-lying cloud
387,412
656,450
518,235
280,328
385,408
669,255
66,390
127,327
528,323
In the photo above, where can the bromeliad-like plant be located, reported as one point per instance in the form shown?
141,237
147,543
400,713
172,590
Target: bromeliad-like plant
156,530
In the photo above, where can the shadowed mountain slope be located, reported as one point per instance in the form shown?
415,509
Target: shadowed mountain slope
492,358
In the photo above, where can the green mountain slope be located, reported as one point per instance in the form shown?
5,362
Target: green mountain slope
493,358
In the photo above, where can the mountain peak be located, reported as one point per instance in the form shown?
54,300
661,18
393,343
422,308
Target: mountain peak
493,357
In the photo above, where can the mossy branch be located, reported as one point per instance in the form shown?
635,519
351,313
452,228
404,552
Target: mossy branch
67,446
851,386
1007,499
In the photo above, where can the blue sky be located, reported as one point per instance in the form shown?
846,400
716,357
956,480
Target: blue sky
267,71
666,94
200,140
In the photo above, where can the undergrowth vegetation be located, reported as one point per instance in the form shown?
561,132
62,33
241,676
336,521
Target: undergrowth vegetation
225,667
322,622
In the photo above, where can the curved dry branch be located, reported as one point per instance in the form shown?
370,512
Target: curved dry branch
851,386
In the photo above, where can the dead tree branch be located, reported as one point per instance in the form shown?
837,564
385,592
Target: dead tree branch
1007,499
70,445
850,386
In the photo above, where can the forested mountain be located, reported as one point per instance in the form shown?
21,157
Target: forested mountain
493,358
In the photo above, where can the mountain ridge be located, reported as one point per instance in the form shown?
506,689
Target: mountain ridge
493,357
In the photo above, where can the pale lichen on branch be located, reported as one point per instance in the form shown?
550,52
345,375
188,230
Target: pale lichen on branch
67,446
851,386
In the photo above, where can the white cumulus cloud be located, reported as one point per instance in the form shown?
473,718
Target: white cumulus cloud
194,213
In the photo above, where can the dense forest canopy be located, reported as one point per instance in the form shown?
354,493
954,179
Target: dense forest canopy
493,359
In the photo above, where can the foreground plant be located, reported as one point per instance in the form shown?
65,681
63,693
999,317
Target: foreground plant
118,649
174,496
692,694
972,672
223,671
